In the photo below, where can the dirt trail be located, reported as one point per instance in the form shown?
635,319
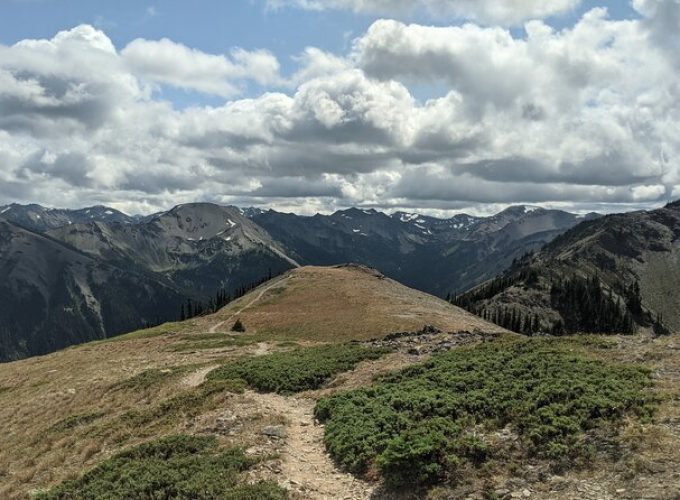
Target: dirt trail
215,327
262,349
197,378
306,468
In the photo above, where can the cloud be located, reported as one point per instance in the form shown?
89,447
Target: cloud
297,187
437,184
579,116
503,12
316,63
72,168
567,101
170,63
48,85
662,23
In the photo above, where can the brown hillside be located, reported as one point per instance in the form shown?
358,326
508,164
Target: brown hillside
339,303
63,413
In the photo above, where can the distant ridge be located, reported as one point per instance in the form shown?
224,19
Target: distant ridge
616,274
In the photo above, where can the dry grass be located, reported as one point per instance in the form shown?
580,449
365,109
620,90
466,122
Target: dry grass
63,412
343,303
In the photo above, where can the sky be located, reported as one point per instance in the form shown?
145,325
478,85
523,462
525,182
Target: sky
434,106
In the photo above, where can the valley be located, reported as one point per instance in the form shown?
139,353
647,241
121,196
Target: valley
338,381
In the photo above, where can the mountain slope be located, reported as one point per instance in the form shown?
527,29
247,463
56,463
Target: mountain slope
98,393
200,250
52,296
620,270
200,247
343,302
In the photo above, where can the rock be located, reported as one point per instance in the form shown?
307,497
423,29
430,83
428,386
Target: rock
277,431
502,493
526,493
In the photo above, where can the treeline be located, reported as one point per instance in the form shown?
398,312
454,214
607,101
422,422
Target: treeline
222,298
469,300
511,318
583,303
586,307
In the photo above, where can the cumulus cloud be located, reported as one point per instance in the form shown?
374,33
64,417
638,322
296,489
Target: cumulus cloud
503,12
170,63
662,23
565,105
49,85
583,115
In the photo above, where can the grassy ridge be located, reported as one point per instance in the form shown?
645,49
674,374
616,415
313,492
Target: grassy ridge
178,467
298,370
419,425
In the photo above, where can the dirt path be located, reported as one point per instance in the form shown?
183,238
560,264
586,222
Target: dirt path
306,468
194,379
197,378
262,349
215,327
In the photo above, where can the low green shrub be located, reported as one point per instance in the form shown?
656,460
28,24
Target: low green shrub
176,467
415,425
298,370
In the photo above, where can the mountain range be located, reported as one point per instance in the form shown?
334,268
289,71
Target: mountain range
70,276
437,256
